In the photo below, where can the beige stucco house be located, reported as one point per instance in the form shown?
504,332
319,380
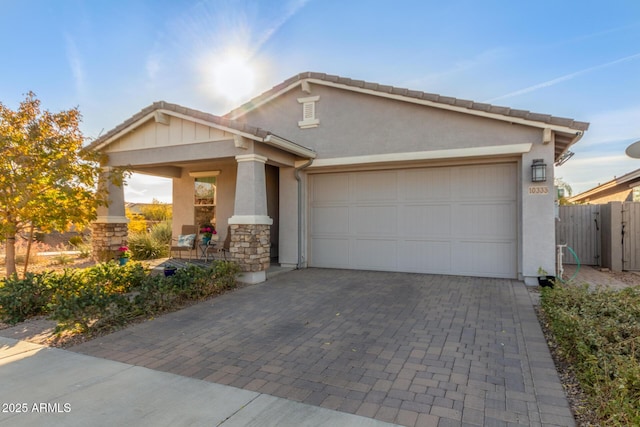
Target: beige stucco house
330,172
619,189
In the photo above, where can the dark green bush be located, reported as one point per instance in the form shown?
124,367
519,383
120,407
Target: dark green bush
23,298
599,334
107,294
158,293
95,296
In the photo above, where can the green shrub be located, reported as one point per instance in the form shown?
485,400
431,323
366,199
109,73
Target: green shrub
23,298
190,283
599,333
145,246
162,232
94,297
107,294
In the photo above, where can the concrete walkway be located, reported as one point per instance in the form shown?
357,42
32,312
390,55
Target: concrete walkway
597,278
412,349
44,386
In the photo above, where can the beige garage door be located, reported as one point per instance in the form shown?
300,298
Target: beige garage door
445,220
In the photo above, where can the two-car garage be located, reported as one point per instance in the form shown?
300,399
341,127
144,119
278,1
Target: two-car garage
444,220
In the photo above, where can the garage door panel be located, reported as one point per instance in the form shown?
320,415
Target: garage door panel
485,259
445,220
330,252
376,186
331,187
375,220
427,184
330,219
489,221
427,220
375,254
486,182
425,256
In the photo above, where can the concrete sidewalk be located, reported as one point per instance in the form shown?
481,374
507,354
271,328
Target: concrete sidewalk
53,387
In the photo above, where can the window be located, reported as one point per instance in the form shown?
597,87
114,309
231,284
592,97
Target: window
205,200
309,119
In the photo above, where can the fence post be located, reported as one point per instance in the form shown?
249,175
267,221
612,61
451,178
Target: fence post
612,236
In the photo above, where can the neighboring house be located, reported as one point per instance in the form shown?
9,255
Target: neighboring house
136,208
330,172
621,189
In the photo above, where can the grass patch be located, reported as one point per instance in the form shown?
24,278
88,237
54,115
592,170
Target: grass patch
598,333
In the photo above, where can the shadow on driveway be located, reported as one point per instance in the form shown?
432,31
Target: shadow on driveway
412,349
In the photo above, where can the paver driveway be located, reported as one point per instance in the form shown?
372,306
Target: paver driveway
412,349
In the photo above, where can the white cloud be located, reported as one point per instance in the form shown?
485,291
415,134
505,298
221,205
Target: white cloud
75,63
293,8
144,188
563,78
614,125
479,60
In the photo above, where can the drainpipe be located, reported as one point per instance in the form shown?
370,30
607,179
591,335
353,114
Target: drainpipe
297,174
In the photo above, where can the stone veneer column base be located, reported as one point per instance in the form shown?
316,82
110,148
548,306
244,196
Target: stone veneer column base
106,239
251,248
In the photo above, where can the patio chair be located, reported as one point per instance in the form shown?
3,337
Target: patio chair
186,241
220,252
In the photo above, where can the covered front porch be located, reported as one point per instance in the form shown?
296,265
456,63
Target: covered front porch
238,178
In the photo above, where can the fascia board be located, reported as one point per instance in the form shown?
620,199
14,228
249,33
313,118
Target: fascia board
494,150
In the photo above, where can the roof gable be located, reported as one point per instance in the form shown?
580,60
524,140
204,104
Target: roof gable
408,95
567,131
161,111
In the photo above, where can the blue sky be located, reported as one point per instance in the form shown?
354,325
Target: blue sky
113,58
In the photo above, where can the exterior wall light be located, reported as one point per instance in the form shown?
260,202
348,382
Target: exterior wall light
538,171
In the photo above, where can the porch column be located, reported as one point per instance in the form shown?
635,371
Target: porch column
109,230
250,225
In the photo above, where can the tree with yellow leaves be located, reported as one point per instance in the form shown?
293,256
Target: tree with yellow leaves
47,179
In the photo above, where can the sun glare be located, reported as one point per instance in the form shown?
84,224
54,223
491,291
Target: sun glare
233,78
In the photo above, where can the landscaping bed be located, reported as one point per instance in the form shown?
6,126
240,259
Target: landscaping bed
105,297
594,337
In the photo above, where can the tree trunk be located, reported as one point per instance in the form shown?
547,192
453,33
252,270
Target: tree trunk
26,257
10,256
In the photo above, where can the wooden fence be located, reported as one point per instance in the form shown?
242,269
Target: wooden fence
579,227
604,235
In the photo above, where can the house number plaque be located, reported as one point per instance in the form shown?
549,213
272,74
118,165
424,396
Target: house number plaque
539,190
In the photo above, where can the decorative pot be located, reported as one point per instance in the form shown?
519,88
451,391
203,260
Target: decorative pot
169,271
546,281
123,261
206,240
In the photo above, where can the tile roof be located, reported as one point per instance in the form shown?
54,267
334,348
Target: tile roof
445,100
